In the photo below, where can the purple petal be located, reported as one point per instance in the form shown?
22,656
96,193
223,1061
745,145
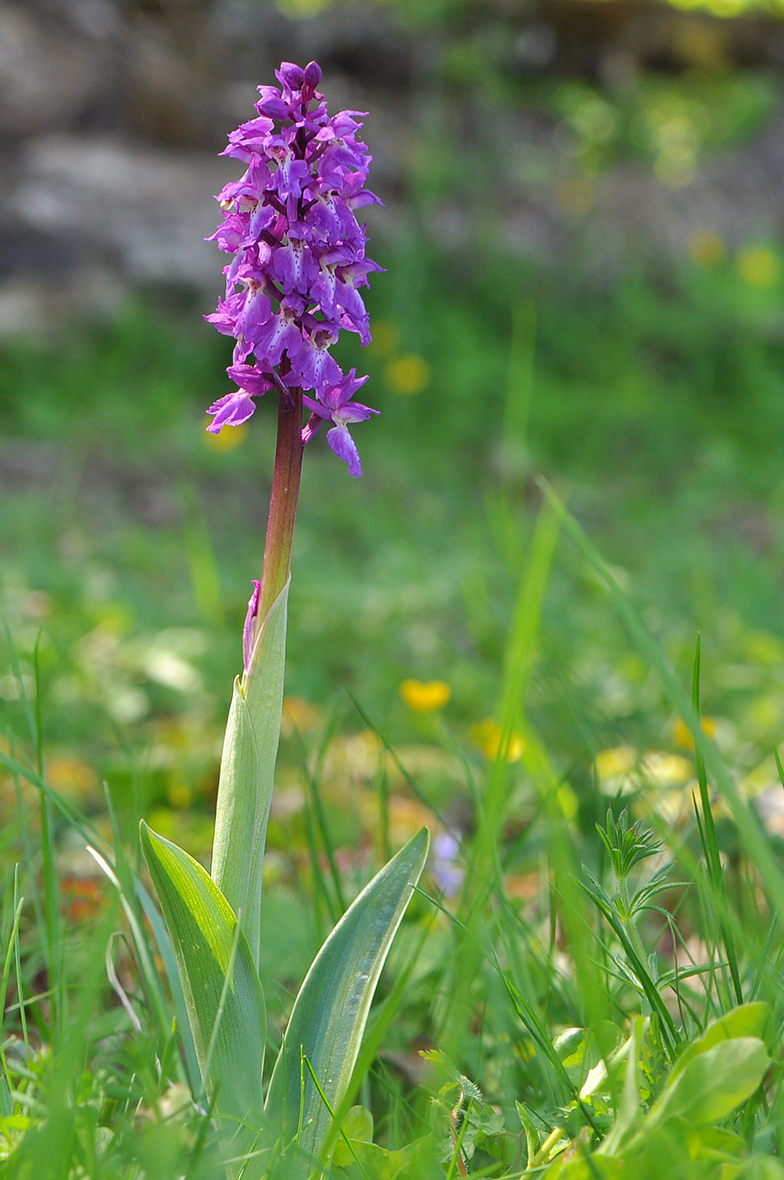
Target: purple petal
249,378
290,75
344,447
278,335
312,74
294,266
231,410
256,313
316,407
312,362
354,412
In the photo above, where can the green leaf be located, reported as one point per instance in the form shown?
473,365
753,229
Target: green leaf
330,1012
716,1143
222,991
713,1083
595,1167
629,1106
247,774
761,1167
370,1162
358,1124
357,1128
748,1020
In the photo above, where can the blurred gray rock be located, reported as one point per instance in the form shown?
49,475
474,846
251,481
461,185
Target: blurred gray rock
143,210
112,113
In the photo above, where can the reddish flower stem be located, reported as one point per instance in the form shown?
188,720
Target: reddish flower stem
283,503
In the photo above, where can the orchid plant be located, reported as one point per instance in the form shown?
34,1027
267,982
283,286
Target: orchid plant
297,263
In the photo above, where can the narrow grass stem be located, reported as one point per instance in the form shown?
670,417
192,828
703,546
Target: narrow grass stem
632,932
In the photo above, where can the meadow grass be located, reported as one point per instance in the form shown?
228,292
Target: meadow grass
534,957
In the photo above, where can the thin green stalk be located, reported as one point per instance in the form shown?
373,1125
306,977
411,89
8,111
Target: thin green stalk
9,955
485,870
320,891
52,940
18,964
312,781
708,833
410,781
200,553
752,835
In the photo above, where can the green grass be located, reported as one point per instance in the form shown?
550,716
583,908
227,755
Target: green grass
656,411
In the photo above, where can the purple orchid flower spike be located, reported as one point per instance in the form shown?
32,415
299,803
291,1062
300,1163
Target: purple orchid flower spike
336,406
298,257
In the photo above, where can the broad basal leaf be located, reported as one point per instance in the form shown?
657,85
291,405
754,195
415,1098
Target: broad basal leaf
222,991
331,1010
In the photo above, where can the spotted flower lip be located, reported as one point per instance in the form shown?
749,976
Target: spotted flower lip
297,255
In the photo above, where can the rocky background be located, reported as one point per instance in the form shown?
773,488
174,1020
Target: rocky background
112,112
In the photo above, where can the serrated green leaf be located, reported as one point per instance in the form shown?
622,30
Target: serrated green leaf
247,774
222,991
713,1083
330,1012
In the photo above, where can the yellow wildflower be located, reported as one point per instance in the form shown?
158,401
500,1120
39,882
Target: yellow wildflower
487,735
425,696
682,736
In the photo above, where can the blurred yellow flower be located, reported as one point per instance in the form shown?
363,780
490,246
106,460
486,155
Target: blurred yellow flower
567,801
487,735
425,696
386,338
722,8
676,164
407,375
302,8
706,248
229,438
681,734
298,716
666,770
72,777
759,266
615,762
179,794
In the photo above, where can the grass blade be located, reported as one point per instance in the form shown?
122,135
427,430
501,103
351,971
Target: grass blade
708,836
751,833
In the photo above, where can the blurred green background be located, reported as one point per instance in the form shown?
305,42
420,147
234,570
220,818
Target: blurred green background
582,237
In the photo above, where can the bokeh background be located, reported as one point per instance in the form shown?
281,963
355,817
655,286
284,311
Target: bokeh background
582,236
